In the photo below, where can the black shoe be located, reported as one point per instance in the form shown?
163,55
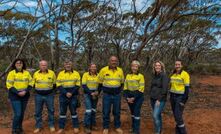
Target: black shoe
14,131
21,131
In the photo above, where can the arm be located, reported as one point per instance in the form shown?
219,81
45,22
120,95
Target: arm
164,87
187,88
84,84
59,85
86,89
30,82
126,91
10,83
78,84
141,84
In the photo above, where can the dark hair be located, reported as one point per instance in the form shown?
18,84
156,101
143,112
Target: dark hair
179,60
23,62
89,71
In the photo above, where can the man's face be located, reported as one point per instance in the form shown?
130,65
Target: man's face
43,65
68,66
113,62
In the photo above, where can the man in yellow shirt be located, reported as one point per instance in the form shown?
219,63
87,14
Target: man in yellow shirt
111,79
44,84
68,83
180,82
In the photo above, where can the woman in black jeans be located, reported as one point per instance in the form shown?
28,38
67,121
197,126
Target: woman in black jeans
158,94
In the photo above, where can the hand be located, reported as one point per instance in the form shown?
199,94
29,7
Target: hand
94,93
22,93
68,95
182,104
130,100
157,103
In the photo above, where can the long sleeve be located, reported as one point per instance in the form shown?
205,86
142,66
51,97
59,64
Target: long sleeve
86,89
141,84
10,81
186,94
164,87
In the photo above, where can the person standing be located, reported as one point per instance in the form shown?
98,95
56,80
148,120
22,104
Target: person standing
111,79
44,85
180,84
158,94
90,87
68,83
133,91
18,83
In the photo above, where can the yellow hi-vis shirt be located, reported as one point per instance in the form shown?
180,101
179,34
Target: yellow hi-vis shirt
91,81
179,81
44,81
134,82
68,79
111,78
19,80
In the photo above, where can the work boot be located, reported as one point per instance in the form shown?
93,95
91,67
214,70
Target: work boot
119,131
94,127
87,130
37,130
105,131
60,131
52,129
76,130
14,131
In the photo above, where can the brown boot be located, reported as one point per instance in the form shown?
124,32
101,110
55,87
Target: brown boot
105,131
52,129
87,130
60,131
37,130
76,130
119,131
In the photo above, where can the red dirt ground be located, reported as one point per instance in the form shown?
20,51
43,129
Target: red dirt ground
202,113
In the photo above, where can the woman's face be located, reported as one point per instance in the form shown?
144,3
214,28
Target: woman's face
134,68
158,67
93,68
178,66
19,65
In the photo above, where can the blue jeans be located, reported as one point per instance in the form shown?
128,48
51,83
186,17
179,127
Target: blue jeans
18,107
39,103
177,108
110,100
157,110
64,104
90,113
135,113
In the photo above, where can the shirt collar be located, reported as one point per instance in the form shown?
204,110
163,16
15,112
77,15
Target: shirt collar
179,72
111,68
16,70
65,71
91,74
41,71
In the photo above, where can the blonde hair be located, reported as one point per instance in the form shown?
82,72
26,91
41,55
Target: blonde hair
162,66
135,62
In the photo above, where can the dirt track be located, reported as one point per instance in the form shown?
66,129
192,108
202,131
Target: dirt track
202,113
